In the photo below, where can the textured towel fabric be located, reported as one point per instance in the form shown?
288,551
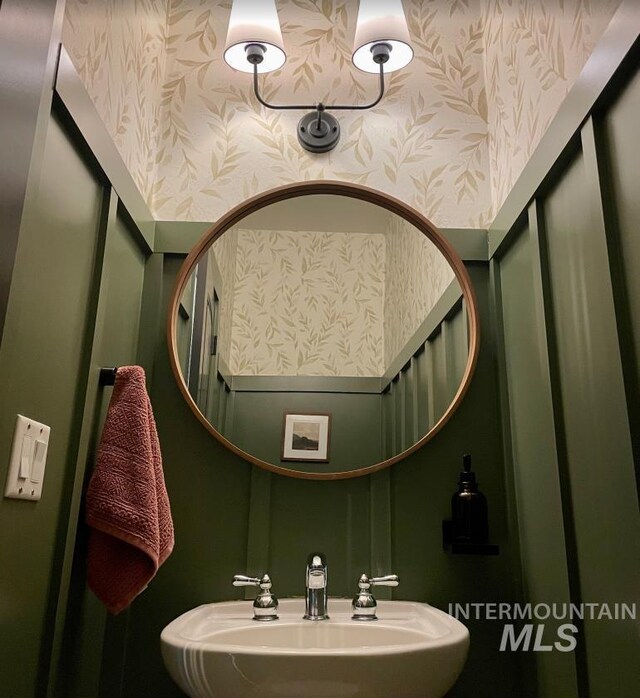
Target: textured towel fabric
127,507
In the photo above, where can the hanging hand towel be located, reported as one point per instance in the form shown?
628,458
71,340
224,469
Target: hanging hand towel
127,507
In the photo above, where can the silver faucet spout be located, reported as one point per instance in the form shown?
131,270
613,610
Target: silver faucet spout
316,584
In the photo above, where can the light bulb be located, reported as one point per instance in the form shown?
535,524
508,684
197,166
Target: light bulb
254,22
381,22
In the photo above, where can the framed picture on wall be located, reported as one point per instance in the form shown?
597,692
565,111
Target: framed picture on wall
305,437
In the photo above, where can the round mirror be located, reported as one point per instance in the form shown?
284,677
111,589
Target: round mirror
323,330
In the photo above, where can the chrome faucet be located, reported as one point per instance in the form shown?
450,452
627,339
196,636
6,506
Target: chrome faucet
315,607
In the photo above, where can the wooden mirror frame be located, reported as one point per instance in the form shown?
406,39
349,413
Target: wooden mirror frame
354,191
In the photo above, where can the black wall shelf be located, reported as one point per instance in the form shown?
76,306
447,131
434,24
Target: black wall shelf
465,548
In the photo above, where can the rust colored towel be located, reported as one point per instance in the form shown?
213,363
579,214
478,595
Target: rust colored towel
127,506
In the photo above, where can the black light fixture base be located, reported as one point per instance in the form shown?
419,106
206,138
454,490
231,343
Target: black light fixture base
318,132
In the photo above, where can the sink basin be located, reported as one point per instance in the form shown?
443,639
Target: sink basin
218,651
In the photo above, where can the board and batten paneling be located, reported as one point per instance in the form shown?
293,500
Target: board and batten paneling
420,392
420,490
89,635
42,365
534,460
566,288
620,154
209,490
597,440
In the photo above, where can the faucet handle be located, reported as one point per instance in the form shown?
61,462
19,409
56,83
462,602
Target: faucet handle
389,580
241,580
364,605
265,606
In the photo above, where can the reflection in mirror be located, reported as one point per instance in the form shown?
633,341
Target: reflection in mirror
322,305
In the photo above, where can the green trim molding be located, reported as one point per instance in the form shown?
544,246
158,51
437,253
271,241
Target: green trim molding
75,98
178,237
29,35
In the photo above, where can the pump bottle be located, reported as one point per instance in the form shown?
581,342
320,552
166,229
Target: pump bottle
470,522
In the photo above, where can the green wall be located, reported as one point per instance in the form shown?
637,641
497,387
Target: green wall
43,360
552,416
421,488
85,632
73,306
618,140
594,422
565,278
209,490
536,479
355,426
29,36
231,517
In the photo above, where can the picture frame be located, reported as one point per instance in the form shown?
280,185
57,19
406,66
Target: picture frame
305,437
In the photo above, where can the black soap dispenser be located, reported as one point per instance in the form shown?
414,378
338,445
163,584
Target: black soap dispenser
470,521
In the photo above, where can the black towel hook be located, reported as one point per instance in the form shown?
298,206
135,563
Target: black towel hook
108,376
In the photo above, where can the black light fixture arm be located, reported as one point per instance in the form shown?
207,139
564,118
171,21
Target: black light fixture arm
318,132
320,106
363,106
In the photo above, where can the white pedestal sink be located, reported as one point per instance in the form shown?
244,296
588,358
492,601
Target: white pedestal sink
218,651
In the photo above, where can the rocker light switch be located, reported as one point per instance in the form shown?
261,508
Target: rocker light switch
39,458
28,459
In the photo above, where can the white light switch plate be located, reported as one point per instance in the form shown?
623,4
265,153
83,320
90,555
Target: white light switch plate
28,459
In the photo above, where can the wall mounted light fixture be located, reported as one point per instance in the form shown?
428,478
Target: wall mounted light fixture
254,45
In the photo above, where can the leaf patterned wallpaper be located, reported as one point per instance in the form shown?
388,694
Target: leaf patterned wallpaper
308,303
324,303
417,274
534,51
118,48
426,142
450,137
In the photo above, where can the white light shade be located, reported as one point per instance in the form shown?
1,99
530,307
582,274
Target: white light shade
254,22
381,21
